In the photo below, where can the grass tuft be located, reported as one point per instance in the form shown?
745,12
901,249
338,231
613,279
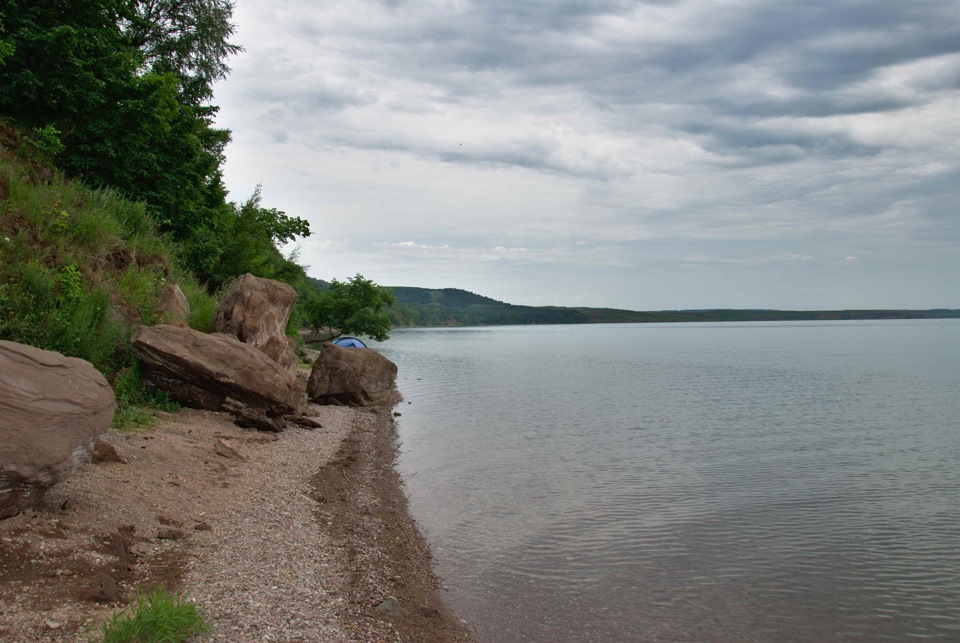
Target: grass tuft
156,617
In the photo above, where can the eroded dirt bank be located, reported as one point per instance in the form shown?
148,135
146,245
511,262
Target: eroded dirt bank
301,536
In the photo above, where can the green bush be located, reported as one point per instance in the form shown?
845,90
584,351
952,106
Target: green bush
156,617
203,306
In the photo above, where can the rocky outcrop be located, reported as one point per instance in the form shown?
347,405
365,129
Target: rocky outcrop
215,372
172,305
354,376
256,311
52,409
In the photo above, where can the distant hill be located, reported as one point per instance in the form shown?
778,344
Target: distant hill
457,307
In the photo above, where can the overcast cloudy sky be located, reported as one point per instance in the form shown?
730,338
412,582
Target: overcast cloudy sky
648,155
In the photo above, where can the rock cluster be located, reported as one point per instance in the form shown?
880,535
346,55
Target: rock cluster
248,367
53,408
204,371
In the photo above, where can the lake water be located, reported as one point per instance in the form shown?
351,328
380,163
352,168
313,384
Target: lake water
706,482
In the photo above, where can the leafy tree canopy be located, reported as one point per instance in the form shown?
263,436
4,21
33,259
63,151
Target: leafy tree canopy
249,234
354,307
187,38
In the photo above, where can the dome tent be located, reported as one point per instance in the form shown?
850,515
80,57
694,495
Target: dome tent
348,342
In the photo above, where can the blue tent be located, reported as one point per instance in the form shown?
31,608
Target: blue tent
348,342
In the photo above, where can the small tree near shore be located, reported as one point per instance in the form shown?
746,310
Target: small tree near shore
354,307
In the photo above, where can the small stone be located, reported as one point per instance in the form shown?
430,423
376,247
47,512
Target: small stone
100,588
54,625
169,534
103,451
203,526
391,606
227,451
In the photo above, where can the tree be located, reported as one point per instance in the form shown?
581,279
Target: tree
6,46
354,307
187,38
124,83
248,236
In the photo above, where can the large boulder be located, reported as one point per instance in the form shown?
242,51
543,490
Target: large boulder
256,311
354,376
52,409
214,372
172,305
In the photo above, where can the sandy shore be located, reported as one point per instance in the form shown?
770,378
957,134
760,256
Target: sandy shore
298,536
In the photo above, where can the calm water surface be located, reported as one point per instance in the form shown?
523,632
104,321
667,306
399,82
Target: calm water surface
721,482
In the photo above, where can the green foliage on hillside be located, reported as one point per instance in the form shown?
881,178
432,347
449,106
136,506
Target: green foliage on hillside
115,95
79,266
454,307
117,92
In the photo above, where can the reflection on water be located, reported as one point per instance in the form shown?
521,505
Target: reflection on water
689,482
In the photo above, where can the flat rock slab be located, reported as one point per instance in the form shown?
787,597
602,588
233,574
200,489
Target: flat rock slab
205,371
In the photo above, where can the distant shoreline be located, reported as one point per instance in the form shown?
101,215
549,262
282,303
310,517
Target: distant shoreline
424,307
611,316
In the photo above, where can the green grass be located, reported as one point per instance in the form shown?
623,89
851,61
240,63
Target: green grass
156,617
203,306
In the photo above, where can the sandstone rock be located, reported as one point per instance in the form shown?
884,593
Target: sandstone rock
250,418
103,451
205,371
306,422
309,355
354,376
52,409
256,312
277,349
172,305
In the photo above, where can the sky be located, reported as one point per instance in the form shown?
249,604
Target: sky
648,155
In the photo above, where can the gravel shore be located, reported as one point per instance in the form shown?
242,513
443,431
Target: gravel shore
297,536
